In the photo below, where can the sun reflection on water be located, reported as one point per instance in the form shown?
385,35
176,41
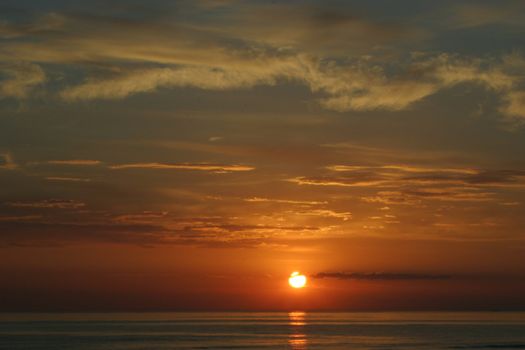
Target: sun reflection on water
297,339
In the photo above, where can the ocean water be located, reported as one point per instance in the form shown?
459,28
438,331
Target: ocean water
294,330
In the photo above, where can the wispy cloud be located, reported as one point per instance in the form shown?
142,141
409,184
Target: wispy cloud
67,179
241,51
185,166
398,175
36,230
283,201
7,161
403,168
21,79
356,181
381,276
412,184
19,218
39,233
349,87
515,105
152,79
144,217
81,162
477,14
326,213
416,196
50,203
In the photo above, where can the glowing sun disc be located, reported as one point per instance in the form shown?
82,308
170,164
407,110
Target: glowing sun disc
297,280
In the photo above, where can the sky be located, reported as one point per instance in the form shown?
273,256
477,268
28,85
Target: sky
189,155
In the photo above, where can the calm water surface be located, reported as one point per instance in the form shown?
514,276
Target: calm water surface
295,330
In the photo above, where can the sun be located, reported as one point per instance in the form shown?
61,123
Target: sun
297,280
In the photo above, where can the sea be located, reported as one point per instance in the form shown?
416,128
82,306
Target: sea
255,330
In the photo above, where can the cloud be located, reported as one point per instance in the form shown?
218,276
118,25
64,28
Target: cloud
510,204
317,27
411,184
20,218
301,27
415,196
45,24
392,197
326,213
372,88
357,86
86,162
36,231
248,228
478,15
151,79
307,45
185,166
514,106
67,179
143,217
381,276
7,162
212,4
388,95
450,194
354,181
50,203
283,201
21,79
403,168
394,175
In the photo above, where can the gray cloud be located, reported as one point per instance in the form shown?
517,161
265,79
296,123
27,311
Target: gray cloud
67,179
381,276
478,15
38,233
49,203
242,51
81,162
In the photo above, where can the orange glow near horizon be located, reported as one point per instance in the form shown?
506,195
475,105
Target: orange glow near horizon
195,156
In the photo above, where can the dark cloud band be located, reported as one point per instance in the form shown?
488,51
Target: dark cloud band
380,276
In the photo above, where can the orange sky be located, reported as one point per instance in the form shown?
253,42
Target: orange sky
190,155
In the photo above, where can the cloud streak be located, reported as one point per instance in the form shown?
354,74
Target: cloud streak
151,79
82,162
67,179
381,276
217,168
50,204
399,175
144,230
283,201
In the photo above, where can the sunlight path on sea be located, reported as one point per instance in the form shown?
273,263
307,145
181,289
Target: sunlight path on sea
297,339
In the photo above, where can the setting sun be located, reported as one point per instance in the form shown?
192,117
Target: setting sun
297,280
218,174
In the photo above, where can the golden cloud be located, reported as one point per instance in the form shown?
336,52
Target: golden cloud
22,78
184,166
